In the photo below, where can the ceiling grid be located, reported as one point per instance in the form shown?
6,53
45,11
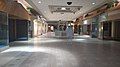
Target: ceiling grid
44,8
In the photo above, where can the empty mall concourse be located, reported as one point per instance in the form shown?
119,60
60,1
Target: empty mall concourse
59,33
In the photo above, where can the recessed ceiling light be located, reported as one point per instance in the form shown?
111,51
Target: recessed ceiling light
93,3
63,8
39,2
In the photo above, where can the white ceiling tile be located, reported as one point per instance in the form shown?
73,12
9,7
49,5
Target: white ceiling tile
87,5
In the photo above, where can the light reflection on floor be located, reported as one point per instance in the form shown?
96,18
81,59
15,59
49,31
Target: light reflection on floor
61,55
78,40
54,52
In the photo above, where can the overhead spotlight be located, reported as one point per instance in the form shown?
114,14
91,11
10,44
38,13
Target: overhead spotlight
39,2
69,3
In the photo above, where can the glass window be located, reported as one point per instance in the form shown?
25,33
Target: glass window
3,29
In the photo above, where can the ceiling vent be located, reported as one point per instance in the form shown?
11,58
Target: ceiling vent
64,9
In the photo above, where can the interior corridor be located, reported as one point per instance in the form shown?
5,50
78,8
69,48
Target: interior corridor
50,51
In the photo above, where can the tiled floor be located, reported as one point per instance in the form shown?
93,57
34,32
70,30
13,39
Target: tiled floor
82,51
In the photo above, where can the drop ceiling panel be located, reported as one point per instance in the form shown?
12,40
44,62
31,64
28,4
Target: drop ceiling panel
44,8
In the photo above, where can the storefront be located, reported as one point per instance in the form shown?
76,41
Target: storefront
114,18
86,27
109,26
94,27
14,22
19,29
4,39
104,26
39,27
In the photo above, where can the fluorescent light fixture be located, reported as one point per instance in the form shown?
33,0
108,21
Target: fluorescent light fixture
39,2
63,8
93,3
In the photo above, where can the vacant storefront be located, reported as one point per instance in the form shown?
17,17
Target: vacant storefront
3,30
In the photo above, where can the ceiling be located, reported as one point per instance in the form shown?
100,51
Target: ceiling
43,8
